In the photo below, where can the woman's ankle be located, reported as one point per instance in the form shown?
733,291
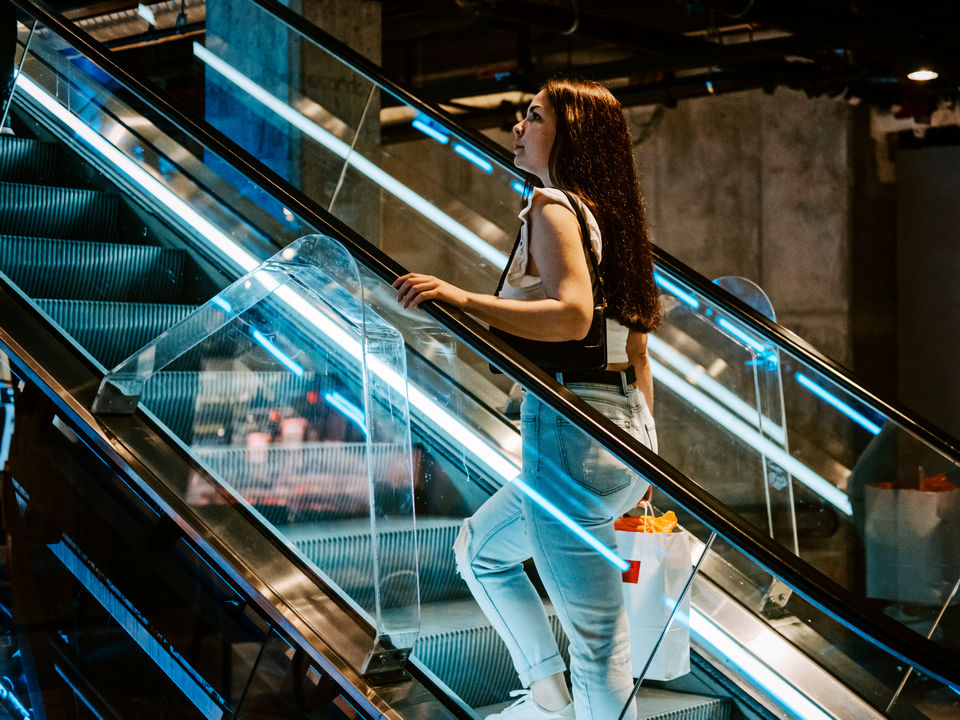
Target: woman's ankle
551,692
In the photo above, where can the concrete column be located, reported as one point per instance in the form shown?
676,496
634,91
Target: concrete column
928,185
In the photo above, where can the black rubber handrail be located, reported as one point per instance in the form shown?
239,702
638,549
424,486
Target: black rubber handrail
818,589
758,322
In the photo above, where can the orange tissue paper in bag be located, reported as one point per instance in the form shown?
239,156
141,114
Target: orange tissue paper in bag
647,523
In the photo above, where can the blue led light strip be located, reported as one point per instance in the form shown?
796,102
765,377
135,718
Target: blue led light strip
430,131
742,336
676,290
726,419
166,658
343,150
698,376
836,402
465,152
781,691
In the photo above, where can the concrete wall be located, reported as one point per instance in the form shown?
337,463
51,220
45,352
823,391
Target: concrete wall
758,186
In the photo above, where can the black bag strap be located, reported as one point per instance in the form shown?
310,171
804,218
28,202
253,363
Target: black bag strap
596,279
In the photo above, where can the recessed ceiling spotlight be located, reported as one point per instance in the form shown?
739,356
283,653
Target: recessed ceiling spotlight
923,75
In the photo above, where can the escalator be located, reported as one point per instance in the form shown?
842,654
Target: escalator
252,467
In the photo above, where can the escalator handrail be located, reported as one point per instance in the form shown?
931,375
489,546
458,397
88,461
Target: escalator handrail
873,625
772,331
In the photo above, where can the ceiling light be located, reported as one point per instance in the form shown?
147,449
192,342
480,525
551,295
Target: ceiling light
923,74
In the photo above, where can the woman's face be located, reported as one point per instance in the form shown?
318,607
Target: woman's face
533,138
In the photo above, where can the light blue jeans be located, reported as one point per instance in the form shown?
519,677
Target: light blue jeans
592,488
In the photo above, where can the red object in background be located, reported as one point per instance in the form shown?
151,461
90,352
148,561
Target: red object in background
312,397
633,574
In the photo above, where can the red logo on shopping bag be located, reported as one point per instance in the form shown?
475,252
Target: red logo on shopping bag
633,574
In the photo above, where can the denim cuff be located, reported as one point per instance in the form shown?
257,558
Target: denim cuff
552,665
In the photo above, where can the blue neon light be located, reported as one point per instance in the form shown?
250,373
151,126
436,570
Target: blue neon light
467,153
347,409
839,404
741,335
76,692
676,290
222,304
430,131
592,541
518,186
277,353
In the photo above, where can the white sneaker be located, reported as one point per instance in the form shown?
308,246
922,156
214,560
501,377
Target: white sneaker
526,709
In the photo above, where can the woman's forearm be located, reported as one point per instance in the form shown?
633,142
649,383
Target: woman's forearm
551,320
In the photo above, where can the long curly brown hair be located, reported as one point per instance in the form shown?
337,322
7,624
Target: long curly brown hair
592,156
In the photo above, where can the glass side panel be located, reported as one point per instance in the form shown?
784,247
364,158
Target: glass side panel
299,405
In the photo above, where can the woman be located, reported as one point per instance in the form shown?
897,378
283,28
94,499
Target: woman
575,138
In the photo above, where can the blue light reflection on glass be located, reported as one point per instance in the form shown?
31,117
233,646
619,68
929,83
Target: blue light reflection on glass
221,303
517,186
347,409
836,402
430,131
76,691
592,541
675,289
277,353
465,152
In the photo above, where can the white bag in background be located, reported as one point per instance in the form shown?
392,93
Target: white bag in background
664,567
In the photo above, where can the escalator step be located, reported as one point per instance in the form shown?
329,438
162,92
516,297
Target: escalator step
68,213
341,549
197,406
112,331
72,269
24,160
458,644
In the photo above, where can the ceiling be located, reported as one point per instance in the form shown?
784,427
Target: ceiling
473,55
662,51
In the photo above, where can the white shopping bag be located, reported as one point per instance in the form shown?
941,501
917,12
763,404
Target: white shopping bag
660,567
911,539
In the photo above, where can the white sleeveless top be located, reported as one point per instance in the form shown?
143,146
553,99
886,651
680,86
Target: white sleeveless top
519,285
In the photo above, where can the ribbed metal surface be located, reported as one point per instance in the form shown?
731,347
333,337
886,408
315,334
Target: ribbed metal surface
341,550
469,656
112,331
198,406
72,269
68,213
24,160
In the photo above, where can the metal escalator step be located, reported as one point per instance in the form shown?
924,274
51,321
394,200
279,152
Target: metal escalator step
341,549
461,648
72,269
112,331
68,213
26,160
197,406
657,704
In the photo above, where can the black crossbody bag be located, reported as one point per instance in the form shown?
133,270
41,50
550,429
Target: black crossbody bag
589,353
